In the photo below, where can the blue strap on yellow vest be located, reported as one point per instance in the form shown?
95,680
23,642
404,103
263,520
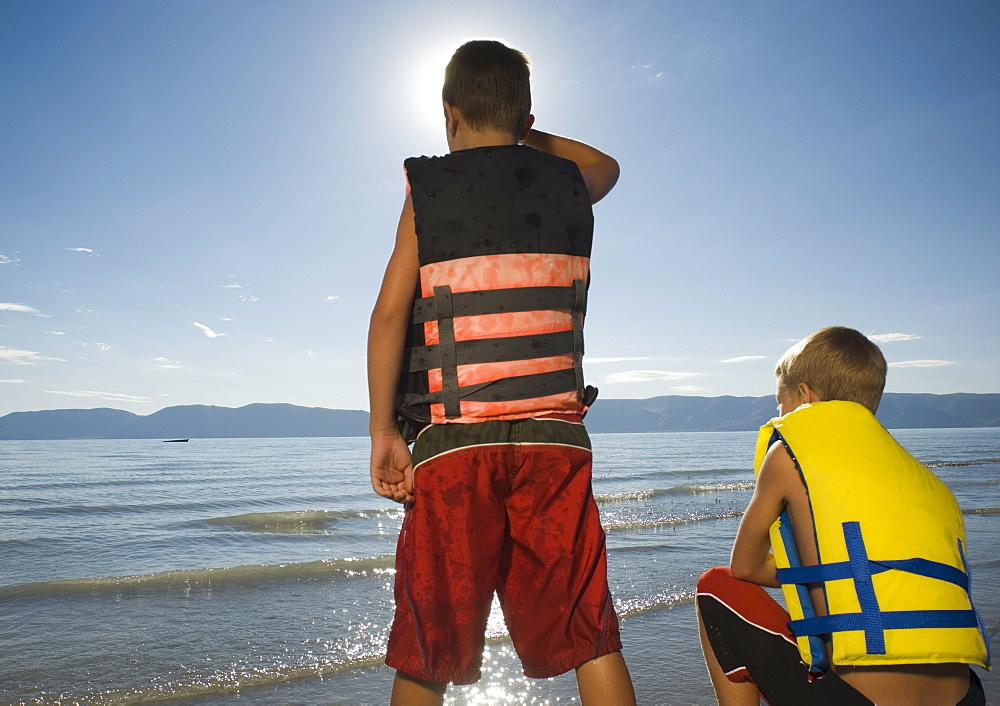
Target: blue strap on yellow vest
818,662
872,619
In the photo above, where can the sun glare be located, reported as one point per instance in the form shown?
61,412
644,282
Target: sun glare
427,77
425,90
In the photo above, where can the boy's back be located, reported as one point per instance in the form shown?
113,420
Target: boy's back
495,240
504,238
868,546
899,624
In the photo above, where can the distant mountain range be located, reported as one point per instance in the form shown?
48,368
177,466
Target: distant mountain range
188,421
669,413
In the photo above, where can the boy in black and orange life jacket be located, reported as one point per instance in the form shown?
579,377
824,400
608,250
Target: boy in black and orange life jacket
476,342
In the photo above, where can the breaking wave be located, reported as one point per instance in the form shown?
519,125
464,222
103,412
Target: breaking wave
971,462
204,580
632,522
297,521
982,511
606,498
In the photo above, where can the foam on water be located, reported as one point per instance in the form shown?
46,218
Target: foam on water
297,521
608,498
954,464
231,680
634,521
188,580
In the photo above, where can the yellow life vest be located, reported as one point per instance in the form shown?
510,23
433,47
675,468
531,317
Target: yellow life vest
891,542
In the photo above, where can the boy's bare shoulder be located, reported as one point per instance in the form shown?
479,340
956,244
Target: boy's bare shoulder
778,469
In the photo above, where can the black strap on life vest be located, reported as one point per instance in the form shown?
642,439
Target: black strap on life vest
578,311
500,301
448,353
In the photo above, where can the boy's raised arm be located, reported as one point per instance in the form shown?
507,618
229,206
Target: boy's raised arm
390,466
599,170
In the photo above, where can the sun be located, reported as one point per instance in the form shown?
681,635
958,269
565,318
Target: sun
427,77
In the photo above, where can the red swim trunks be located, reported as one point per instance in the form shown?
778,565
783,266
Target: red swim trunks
501,506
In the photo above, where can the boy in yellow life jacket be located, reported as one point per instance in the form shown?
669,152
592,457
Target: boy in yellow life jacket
866,543
475,349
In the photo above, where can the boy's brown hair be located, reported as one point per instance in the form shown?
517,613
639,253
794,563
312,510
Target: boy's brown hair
838,363
490,83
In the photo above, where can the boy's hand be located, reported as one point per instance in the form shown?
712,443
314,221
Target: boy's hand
391,467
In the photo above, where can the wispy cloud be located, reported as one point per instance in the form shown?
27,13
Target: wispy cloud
206,330
646,71
688,388
56,333
23,308
647,376
166,363
11,382
244,297
921,363
14,356
612,360
891,337
87,251
332,298
7,260
110,396
742,359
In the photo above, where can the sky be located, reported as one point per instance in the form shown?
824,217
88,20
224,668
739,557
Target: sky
198,198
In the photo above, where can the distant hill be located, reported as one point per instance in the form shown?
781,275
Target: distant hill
685,413
186,422
668,413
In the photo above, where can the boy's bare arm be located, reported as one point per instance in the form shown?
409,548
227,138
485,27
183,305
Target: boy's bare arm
390,466
751,559
599,170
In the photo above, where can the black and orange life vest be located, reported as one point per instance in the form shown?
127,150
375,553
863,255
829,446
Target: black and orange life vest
504,236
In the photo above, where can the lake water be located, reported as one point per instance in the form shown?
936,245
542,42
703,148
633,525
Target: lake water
260,570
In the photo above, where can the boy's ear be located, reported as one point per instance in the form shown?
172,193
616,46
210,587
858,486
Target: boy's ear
807,394
452,117
527,128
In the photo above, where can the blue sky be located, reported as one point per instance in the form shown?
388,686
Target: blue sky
197,199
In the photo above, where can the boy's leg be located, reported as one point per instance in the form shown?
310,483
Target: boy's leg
553,583
745,633
410,691
728,693
605,680
446,560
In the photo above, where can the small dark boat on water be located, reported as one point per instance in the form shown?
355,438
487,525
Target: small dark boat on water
174,441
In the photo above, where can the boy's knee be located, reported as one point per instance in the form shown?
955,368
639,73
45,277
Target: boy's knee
716,576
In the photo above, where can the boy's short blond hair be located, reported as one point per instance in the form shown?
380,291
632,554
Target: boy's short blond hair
838,363
491,84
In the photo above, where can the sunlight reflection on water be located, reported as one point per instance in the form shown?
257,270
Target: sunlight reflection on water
504,683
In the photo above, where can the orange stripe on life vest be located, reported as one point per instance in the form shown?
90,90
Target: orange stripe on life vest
517,323
488,372
507,270
564,403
